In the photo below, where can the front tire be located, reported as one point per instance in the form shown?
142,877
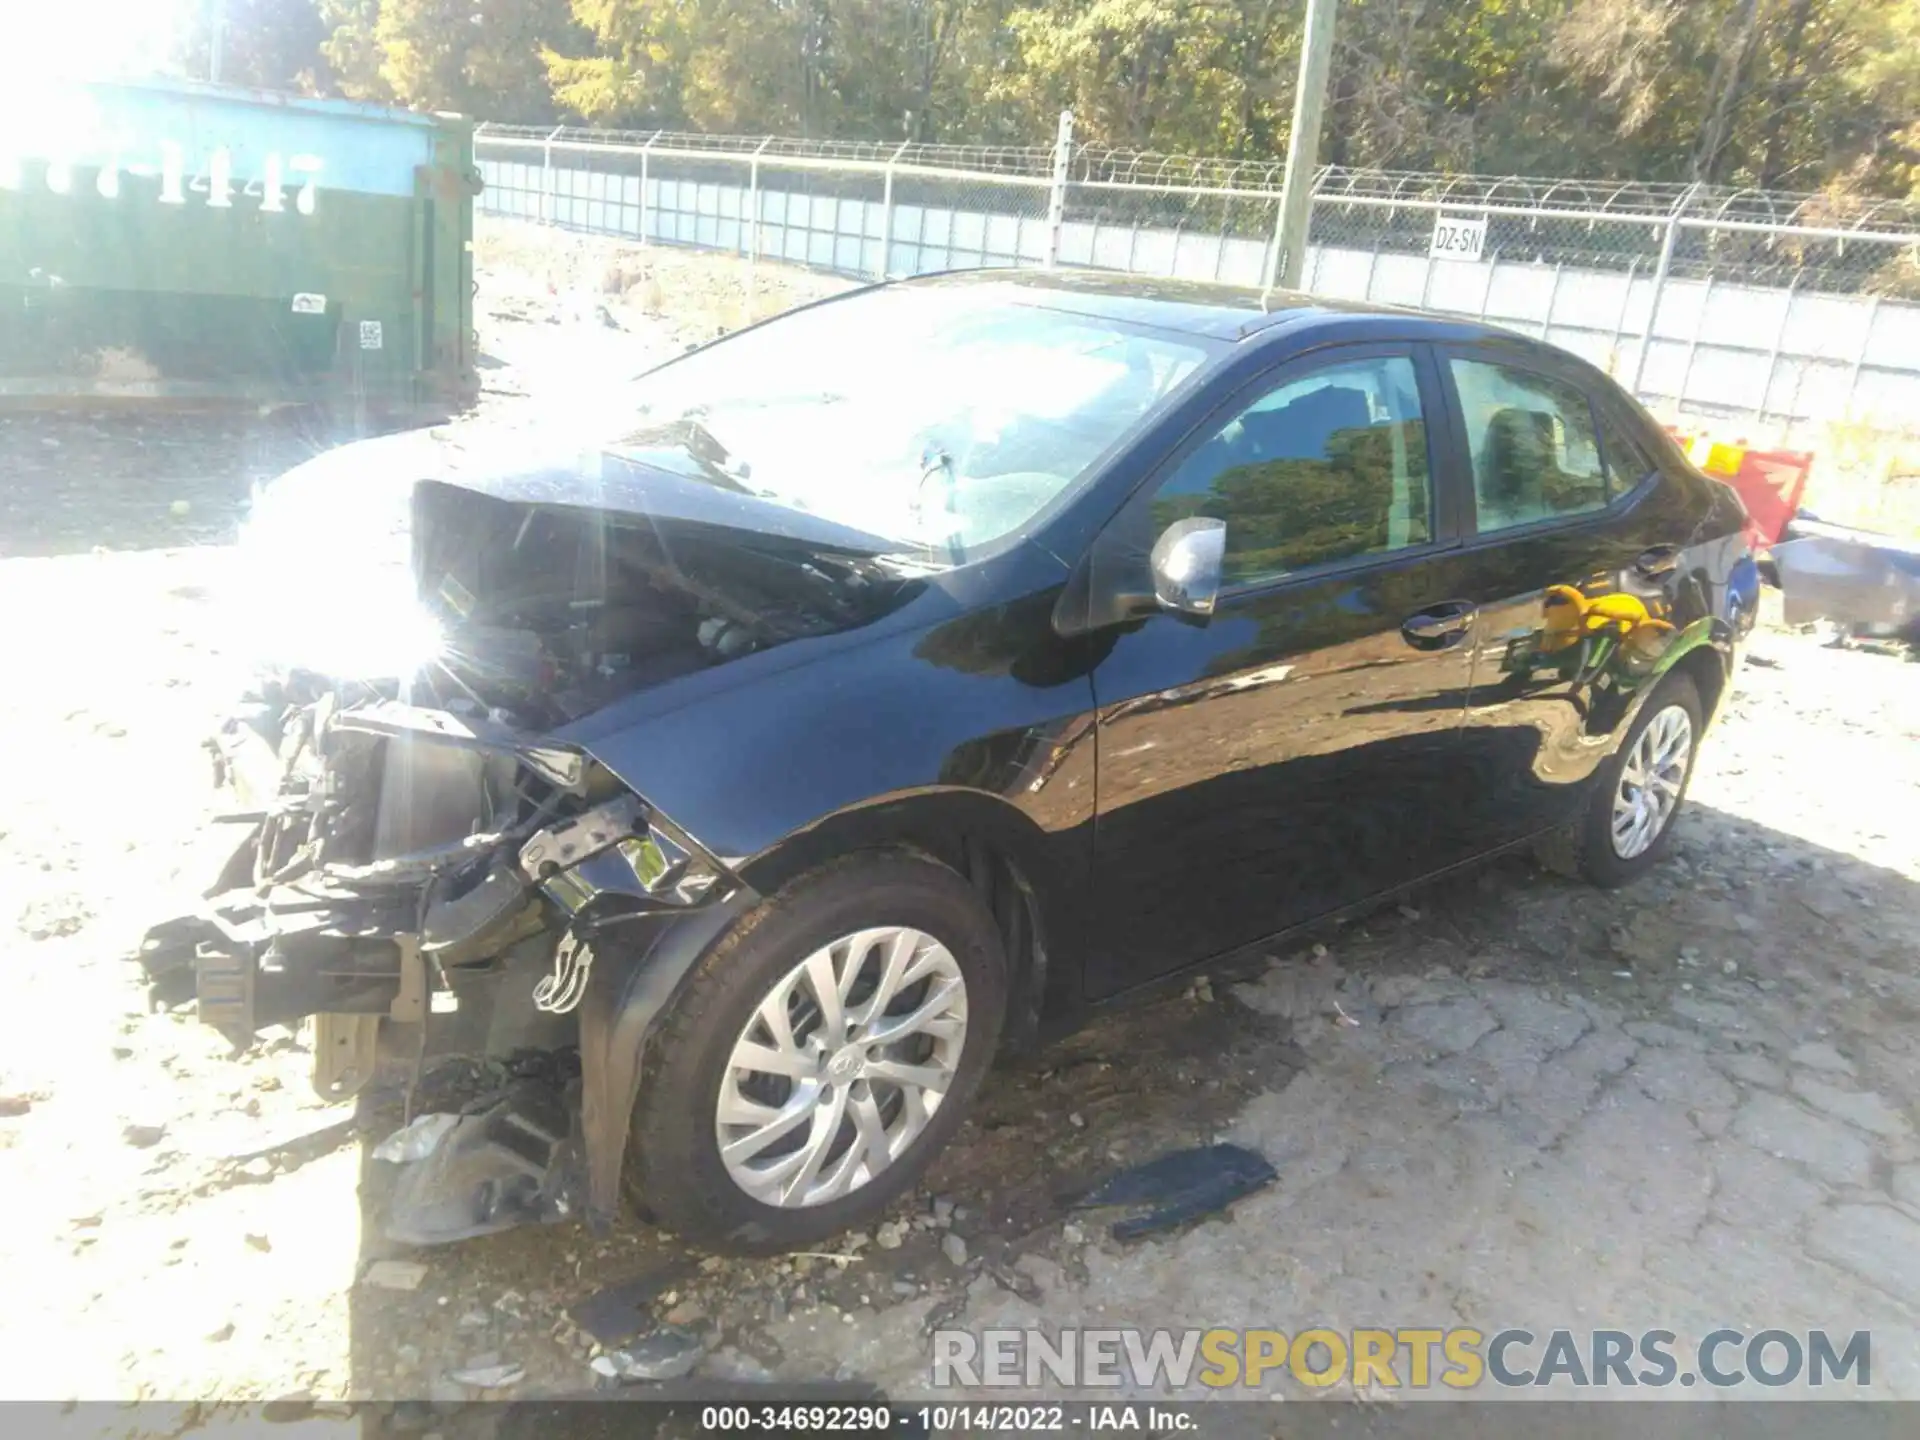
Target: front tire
1638,794
819,1057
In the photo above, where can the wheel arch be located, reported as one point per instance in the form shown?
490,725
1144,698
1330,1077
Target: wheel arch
1707,661
1000,852
1703,652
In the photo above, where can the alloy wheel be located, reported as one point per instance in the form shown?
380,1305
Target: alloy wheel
841,1065
1650,782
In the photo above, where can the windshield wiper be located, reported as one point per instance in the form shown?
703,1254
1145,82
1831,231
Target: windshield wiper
935,458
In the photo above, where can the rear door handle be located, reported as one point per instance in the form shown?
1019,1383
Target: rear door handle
1439,626
1660,560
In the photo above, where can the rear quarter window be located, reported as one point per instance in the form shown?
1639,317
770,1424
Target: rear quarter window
1628,461
1536,455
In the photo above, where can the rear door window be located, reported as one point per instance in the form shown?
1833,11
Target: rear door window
1531,436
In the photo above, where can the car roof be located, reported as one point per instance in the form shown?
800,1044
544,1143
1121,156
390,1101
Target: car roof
1226,312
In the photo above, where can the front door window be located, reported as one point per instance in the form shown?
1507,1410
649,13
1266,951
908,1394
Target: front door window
1322,469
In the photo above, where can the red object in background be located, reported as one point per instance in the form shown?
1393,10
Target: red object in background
1770,483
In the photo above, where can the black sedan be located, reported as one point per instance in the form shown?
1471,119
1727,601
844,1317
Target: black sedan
907,677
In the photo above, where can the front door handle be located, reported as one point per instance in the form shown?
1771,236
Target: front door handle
1658,561
1439,626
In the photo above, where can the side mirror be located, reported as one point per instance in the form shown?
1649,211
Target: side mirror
1188,563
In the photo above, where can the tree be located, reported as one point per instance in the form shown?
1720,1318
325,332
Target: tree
268,44
1412,80
1805,94
352,50
1796,93
478,57
870,68
1191,75
504,64
711,64
633,71
915,69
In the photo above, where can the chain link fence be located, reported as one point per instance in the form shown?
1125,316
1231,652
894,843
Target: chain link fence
1780,313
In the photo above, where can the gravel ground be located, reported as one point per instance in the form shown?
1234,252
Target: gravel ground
1512,1101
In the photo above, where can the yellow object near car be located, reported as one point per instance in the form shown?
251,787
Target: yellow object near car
1568,615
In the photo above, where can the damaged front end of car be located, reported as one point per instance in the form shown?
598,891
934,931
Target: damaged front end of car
393,850
423,867
423,883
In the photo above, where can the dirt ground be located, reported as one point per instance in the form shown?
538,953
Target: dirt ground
1513,1100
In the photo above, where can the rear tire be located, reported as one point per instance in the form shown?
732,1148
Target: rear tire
832,1079
1637,795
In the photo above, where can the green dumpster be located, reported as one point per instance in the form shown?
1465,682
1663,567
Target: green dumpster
171,243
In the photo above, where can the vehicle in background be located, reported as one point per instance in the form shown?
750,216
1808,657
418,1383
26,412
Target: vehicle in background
1861,581
904,679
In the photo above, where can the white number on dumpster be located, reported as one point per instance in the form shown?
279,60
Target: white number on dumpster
215,179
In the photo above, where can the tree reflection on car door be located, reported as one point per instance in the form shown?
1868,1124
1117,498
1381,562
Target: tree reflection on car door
1577,587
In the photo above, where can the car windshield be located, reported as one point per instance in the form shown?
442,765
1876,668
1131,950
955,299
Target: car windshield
939,419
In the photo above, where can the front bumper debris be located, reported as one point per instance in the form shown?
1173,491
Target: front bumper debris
512,1160
426,884
382,859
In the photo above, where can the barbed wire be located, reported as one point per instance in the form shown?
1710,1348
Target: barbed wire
1833,242
1017,160
1112,168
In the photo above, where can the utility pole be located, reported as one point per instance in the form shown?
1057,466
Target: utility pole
1303,147
1057,191
219,40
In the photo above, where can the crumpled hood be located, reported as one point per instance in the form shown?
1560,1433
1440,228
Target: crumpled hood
382,471
623,482
327,554
543,464
324,562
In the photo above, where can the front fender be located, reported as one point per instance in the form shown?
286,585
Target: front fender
975,730
1033,883
935,819
642,961
991,701
639,967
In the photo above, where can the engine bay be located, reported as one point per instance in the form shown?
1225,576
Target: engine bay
549,613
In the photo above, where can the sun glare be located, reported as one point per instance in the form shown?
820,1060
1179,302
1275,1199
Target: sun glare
91,39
